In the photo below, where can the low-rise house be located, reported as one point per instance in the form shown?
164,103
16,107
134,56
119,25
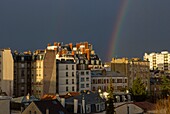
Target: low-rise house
5,104
45,107
20,103
87,102
135,108
101,79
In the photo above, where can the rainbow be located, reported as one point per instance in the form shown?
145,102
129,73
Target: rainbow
117,28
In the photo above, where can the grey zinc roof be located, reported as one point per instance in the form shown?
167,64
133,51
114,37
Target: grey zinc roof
108,74
89,97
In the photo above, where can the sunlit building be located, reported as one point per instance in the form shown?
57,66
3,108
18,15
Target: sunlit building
43,72
6,71
102,79
66,75
132,68
158,61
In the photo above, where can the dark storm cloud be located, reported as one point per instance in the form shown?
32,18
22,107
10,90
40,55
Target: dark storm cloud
31,24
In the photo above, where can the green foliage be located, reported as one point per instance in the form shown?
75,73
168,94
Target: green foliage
110,89
165,83
138,87
165,86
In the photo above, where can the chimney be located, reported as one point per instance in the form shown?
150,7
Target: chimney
75,105
55,43
28,96
49,44
83,105
47,111
71,46
63,101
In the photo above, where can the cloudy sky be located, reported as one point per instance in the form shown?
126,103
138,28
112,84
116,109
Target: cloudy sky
32,24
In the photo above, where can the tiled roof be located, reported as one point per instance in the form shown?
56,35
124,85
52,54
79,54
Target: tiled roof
49,97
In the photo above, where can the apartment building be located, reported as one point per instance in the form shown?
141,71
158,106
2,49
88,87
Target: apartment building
43,72
66,75
83,72
158,61
102,79
132,68
22,73
6,71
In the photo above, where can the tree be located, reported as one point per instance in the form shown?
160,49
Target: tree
138,90
109,102
165,86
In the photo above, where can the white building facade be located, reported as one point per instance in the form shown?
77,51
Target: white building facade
159,61
66,76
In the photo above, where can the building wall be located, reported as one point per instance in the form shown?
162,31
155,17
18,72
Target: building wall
84,80
22,74
132,68
37,77
133,109
5,106
6,71
32,109
160,61
50,80
67,78
103,82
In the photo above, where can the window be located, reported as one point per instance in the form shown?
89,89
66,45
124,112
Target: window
73,88
81,61
66,88
22,88
82,85
66,81
72,67
22,58
125,80
22,72
99,81
22,80
66,74
82,73
82,79
87,79
92,62
119,80
87,85
66,67
88,108
22,65
97,107
72,81
73,74
87,72
94,81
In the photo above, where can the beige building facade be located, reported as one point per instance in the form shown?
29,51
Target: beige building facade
43,72
132,68
6,71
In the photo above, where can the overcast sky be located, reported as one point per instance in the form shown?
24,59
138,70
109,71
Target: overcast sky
32,24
